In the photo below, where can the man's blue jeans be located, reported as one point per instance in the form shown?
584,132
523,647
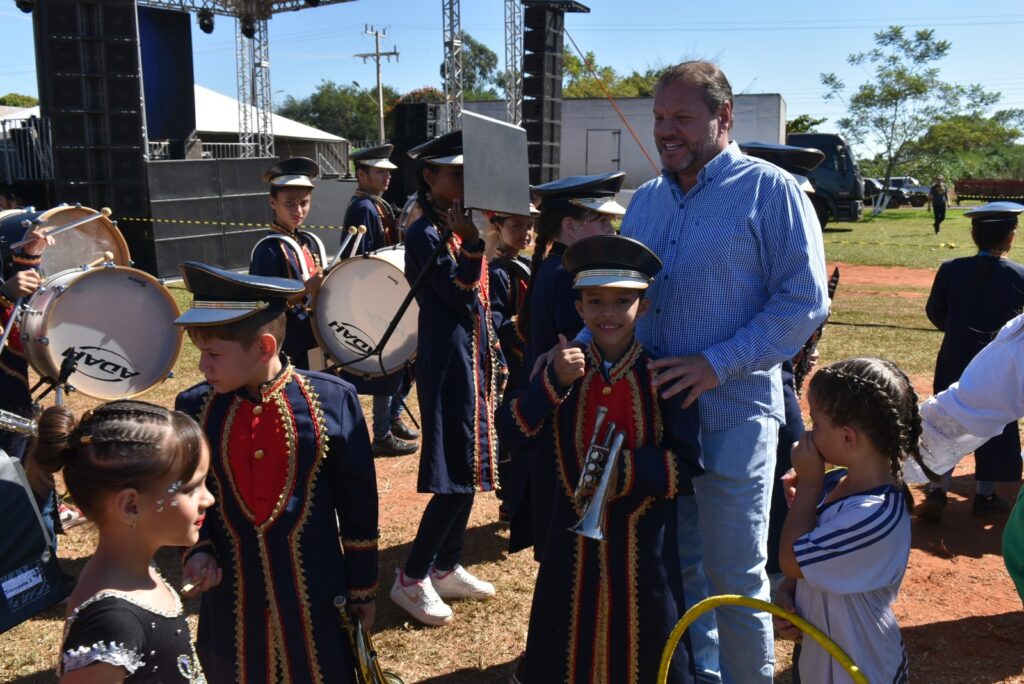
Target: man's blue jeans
386,410
733,498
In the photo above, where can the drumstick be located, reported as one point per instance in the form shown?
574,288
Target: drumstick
104,212
107,256
351,230
359,238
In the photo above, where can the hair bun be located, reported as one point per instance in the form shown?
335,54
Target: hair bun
52,449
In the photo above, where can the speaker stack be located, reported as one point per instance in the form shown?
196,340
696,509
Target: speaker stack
415,123
543,42
90,86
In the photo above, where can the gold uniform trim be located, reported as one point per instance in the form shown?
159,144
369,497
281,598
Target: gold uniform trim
632,587
360,544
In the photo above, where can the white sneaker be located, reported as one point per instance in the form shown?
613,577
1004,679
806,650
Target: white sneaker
460,584
421,601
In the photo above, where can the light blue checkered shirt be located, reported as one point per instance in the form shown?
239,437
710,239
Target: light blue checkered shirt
743,280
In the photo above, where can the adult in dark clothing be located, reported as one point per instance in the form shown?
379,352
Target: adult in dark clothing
971,299
789,432
460,374
391,436
939,196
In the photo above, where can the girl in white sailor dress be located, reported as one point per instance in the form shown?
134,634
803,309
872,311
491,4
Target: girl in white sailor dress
139,471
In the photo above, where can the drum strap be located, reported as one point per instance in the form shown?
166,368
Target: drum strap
296,247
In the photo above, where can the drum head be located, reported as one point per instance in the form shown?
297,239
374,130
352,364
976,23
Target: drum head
119,324
72,248
357,301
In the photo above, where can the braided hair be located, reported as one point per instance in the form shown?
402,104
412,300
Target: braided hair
878,399
118,445
547,229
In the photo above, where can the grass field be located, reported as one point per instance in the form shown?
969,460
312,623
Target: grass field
482,644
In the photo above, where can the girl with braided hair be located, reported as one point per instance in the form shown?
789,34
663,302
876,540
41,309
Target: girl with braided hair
846,539
138,470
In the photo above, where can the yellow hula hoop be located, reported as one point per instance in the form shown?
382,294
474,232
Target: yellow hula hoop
736,600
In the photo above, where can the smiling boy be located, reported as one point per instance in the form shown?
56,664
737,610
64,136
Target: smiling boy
627,589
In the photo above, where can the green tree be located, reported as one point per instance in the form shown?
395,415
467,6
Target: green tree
962,145
578,79
805,123
348,111
905,95
480,77
18,100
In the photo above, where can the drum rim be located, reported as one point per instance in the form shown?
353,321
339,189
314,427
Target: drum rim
162,289
118,236
313,308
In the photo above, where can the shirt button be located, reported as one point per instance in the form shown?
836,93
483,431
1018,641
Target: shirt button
258,454
671,242
257,410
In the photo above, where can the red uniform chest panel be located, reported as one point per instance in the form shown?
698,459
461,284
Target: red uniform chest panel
307,256
623,410
258,456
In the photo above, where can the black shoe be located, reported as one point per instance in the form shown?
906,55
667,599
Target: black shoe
931,508
393,446
403,431
987,505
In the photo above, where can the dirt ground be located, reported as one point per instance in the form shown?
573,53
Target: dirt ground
960,616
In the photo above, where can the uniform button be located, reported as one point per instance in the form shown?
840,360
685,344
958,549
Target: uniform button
258,455
606,391
257,410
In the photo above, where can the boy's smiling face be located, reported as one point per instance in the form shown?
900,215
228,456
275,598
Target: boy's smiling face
611,314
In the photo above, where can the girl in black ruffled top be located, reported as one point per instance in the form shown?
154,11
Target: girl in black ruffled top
138,471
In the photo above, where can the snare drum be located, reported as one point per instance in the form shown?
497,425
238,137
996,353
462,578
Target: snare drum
117,322
70,249
358,299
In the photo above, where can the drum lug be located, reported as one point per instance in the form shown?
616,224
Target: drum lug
59,289
170,374
43,340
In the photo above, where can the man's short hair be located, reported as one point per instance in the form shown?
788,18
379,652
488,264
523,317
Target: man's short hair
708,76
245,331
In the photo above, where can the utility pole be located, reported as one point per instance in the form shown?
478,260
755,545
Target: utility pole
376,55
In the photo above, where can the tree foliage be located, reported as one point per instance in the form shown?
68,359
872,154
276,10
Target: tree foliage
18,100
579,82
805,123
905,95
480,77
348,110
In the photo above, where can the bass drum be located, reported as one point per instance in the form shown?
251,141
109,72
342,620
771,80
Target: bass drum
117,322
357,301
73,248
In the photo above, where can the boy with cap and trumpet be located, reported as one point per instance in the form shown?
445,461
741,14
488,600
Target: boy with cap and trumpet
609,589
287,252
295,527
391,436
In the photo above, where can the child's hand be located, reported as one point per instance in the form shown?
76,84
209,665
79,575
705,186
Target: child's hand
785,598
788,482
807,462
39,242
22,284
201,574
570,362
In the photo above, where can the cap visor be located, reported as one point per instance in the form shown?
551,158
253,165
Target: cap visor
602,205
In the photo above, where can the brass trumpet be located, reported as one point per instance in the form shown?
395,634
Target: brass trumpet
12,422
598,465
368,669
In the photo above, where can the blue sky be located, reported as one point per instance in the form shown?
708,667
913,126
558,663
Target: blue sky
761,46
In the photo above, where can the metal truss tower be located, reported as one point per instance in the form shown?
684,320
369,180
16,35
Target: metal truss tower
255,104
513,62
452,30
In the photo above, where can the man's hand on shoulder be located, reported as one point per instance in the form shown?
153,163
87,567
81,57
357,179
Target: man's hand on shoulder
692,374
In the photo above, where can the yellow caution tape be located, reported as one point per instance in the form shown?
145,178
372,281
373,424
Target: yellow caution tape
737,600
943,245
196,222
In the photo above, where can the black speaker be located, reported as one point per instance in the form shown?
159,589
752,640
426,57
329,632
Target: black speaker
415,123
543,29
90,87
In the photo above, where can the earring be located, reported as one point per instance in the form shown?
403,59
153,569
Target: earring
132,524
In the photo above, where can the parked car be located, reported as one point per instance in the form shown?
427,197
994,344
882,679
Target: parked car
898,196
917,194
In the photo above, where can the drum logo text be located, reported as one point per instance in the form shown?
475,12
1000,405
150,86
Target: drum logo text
101,364
352,337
